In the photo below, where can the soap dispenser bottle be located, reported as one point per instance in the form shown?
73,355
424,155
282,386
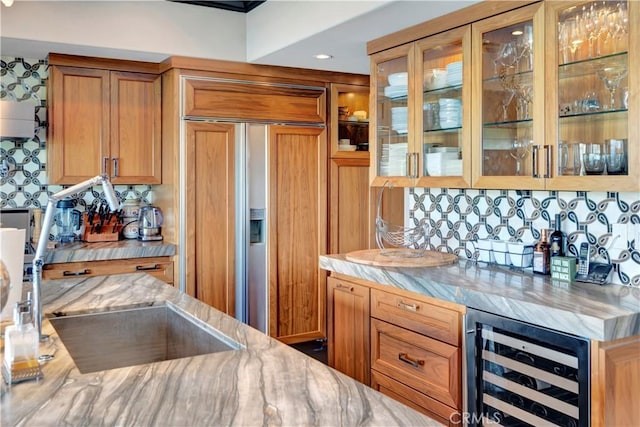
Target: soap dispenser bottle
21,345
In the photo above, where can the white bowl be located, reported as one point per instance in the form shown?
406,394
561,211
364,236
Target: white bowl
435,78
398,79
346,147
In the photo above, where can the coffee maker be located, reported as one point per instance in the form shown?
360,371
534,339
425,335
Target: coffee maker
149,223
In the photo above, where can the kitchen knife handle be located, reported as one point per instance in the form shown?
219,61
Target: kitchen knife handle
152,267
404,357
116,166
77,273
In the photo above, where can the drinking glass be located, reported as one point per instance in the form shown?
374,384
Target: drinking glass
505,59
520,149
507,97
611,77
594,163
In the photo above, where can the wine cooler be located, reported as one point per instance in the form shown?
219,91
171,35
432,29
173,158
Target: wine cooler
524,375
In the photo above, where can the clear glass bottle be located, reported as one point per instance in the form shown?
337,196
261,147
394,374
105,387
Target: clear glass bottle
541,257
21,347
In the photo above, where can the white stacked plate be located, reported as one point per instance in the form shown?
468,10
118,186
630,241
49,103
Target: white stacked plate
393,160
454,73
399,119
450,112
395,91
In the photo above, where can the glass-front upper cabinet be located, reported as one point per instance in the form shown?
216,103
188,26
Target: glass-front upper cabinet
594,61
508,100
392,88
443,109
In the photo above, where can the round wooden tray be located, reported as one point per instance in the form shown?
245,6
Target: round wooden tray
374,257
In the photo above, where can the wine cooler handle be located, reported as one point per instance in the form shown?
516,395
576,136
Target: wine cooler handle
404,357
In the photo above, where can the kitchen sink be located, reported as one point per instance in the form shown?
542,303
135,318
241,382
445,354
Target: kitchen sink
114,339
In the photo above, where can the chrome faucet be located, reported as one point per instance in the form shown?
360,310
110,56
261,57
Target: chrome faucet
38,260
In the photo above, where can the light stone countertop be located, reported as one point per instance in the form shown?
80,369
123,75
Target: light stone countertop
99,251
267,383
596,312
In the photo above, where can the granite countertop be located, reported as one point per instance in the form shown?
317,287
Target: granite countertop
596,312
266,383
99,251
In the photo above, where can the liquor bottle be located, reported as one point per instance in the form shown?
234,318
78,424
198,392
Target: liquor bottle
556,240
541,255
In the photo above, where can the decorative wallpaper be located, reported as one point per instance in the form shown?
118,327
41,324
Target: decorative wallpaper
458,217
23,169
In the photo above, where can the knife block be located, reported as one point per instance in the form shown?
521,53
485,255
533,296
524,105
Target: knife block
110,231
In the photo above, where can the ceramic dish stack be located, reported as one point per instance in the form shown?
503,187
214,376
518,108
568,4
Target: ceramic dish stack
393,159
399,120
454,73
397,85
450,113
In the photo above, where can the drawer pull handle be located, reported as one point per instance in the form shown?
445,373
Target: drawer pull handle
413,362
348,288
152,267
77,273
411,307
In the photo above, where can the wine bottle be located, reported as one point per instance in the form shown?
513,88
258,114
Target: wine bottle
556,240
541,255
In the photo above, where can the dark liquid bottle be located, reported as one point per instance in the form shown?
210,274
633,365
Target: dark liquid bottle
556,240
541,255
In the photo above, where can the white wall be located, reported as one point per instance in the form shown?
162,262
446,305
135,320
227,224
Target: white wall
146,30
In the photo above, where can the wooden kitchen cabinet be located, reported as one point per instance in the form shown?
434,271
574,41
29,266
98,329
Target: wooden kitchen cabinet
416,346
103,121
348,328
159,267
615,382
538,98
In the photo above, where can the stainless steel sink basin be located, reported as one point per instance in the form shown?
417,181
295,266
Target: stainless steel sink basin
115,339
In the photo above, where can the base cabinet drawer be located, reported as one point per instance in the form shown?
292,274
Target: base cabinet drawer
415,400
437,322
417,361
159,267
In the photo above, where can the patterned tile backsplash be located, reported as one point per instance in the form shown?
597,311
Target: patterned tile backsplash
24,183
456,217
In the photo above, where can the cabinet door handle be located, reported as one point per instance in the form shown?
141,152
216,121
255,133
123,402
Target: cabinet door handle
547,172
346,288
116,168
411,307
77,273
408,165
404,357
105,166
534,160
151,267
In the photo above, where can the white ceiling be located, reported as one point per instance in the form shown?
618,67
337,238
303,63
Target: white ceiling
279,32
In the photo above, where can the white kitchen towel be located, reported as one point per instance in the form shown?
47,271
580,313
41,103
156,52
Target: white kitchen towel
12,255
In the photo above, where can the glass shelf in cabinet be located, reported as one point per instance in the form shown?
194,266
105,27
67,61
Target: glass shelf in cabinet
354,122
497,80
443,90
511,124
443,130
593,115
590,66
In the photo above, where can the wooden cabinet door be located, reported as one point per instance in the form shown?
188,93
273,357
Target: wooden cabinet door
297,232
348,328
349,205
78,135
210,214
135,128
615,382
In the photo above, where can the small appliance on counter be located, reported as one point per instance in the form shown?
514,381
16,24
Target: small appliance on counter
150,223
68,221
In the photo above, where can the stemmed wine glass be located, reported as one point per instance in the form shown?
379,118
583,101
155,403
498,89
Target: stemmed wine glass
611,78
520,149
505,58
507,97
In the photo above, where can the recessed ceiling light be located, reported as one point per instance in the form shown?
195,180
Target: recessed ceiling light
517,32
323,56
